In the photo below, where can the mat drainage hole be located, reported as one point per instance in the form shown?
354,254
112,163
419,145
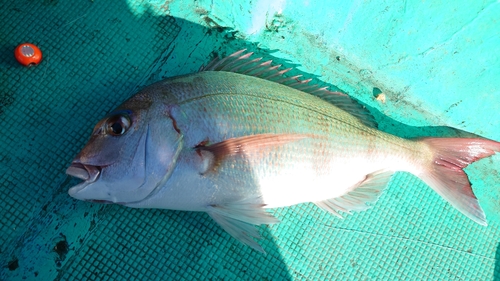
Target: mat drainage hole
376,92
13,264
379,95
61,248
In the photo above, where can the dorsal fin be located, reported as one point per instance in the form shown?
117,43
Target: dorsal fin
240,62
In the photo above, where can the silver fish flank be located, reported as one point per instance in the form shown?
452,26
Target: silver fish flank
239,137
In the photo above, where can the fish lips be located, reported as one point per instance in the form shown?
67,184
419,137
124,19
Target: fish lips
88,173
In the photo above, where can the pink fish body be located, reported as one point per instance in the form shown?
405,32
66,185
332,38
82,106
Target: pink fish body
239,137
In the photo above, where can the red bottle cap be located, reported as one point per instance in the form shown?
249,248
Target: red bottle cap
28,54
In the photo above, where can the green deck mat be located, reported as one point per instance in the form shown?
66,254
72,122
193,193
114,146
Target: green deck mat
437,64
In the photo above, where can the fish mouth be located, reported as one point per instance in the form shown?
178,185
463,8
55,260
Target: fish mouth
100,201
88,173
103,201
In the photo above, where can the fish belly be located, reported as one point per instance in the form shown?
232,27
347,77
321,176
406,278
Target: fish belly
311,177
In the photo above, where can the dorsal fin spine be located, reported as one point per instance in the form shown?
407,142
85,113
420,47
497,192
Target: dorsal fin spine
243,57
221,61
286,79
235,69
248,71
240,62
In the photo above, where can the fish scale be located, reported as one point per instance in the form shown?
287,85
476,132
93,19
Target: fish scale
239,137
220,112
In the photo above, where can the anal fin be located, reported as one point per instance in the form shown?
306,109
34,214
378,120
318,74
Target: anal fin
365,192
239,219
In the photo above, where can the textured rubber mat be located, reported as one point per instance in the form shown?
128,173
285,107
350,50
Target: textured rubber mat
97,54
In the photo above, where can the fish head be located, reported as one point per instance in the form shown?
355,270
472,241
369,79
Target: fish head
132,151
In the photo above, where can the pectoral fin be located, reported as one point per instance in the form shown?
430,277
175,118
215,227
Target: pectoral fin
239,219
366,191
212,155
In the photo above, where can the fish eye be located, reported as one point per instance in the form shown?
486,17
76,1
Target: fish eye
117,125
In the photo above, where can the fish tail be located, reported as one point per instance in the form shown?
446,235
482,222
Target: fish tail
446,175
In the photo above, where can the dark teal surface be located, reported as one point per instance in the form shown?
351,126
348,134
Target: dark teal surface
97,54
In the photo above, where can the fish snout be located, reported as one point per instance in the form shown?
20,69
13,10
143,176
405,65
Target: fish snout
87,173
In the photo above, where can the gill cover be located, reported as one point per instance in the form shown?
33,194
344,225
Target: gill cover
130,154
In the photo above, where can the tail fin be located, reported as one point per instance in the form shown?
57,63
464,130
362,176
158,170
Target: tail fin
446,175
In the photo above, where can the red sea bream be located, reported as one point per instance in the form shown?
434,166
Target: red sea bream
238,137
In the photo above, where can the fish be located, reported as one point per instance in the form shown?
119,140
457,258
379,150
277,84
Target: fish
241,136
